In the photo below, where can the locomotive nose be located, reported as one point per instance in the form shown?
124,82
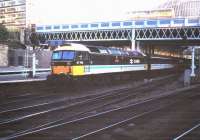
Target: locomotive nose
61,69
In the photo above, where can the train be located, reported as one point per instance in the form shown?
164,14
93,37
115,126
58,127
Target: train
79,61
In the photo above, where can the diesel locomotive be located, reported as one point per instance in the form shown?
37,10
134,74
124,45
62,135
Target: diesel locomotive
72,61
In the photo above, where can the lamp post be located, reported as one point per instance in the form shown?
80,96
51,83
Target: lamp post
35,42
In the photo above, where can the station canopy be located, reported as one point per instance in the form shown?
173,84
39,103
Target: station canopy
169,9
182,8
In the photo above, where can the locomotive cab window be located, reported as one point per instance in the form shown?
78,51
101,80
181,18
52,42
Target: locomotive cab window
57,55
68,55
63,55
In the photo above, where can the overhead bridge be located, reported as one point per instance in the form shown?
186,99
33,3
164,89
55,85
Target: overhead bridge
134,30
184,30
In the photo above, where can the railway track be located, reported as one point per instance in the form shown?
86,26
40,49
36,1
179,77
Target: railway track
86,127
78,109
39,92
118,127
58,104
31,90
51,98
36,99
29,94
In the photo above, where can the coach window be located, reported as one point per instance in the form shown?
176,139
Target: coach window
103,51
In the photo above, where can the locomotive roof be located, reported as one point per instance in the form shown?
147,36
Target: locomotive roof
100,49
73,47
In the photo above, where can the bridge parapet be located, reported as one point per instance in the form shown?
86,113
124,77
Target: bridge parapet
135,30
112,25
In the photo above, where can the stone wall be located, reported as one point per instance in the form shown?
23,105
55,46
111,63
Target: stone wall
44,59
21,57
16,57
3,55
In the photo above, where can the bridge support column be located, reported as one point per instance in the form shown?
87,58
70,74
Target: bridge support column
148,53
138,46
133,42
133,46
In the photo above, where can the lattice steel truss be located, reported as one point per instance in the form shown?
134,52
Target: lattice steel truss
94,35
192,33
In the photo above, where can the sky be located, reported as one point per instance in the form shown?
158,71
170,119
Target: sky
83,11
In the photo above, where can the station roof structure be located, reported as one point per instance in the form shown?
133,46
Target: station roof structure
182,8
169,9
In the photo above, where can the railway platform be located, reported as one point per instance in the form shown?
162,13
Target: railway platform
21,74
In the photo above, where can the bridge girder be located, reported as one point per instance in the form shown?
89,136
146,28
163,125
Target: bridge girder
178,33
95,35
141,34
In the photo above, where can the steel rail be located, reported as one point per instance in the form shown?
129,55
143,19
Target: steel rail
14,111
102,104
102,113
187,132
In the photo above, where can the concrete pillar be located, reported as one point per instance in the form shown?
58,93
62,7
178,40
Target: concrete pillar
26,56
152,50
148,57
133,46
199,64
138,46
34,65
193,63
4,55
22,36
187,77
